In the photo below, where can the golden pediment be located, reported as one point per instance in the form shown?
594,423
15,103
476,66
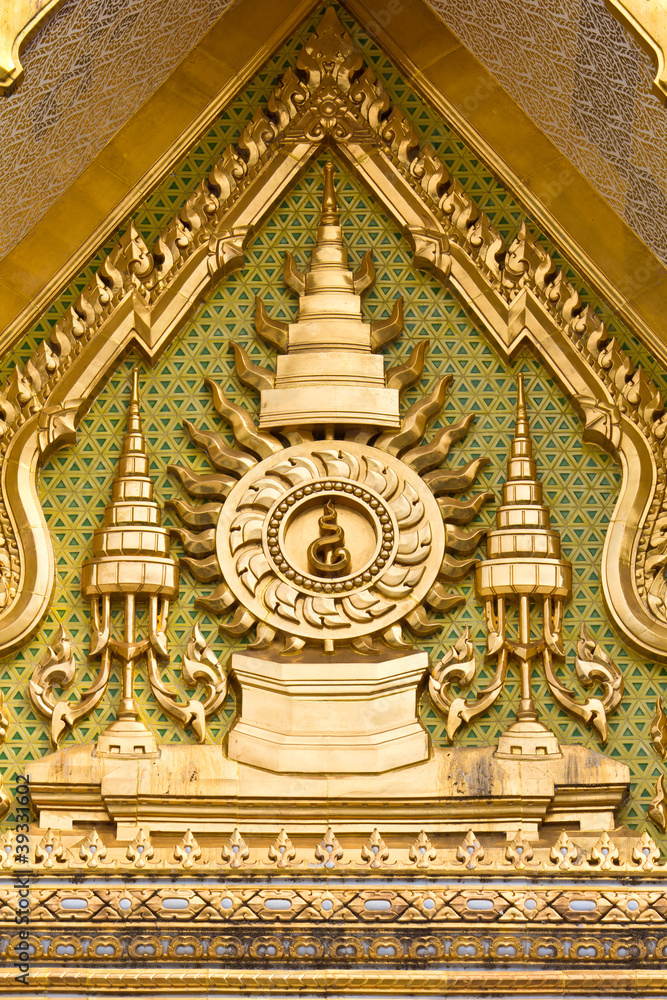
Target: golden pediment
139,297
327,513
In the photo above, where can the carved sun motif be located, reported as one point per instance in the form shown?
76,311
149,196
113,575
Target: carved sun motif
388,520
332,522
404,533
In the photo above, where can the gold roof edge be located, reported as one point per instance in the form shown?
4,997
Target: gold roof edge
111,193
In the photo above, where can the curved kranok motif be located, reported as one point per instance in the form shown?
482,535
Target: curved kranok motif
131,565
142,296
524,566
332,523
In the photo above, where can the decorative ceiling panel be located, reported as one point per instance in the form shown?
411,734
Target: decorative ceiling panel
588,85
86,72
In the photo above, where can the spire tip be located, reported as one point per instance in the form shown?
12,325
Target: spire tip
329,206
133,411
521,398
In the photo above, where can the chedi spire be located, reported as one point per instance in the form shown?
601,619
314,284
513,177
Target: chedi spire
524,566
329,373
131,565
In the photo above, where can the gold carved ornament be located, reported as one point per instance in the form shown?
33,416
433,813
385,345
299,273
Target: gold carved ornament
329,526
516,294
524,566
331,459
131,565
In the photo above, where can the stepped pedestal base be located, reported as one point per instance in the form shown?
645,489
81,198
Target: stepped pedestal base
197,787
127,739
318,743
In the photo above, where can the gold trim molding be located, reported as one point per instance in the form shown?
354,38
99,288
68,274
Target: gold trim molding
589,857
19,20
589,919
141,297
433,982
647,21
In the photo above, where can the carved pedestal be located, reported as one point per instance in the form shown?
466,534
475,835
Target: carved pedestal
328,716
330,743
199,788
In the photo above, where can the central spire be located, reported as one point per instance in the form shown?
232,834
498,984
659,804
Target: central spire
329,269
329,374
329,206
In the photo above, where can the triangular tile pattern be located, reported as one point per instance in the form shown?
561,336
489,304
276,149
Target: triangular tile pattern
581,483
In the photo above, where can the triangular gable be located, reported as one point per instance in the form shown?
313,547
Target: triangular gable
141,296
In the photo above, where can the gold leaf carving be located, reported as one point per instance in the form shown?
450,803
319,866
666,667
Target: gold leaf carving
375,853
50,851
645,854
235,852
564,854
282,851
140,851
135,276
201,666
605,853
592,665
329,852
659,729
470,853
458,666
92,851
57,668
657,808
422,852
519,851
187,852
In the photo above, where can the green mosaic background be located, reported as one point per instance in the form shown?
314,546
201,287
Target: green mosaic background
581,483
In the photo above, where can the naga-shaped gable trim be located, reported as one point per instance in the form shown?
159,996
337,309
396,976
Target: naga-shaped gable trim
141,298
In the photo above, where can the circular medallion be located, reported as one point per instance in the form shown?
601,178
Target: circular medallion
344,538
353,536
